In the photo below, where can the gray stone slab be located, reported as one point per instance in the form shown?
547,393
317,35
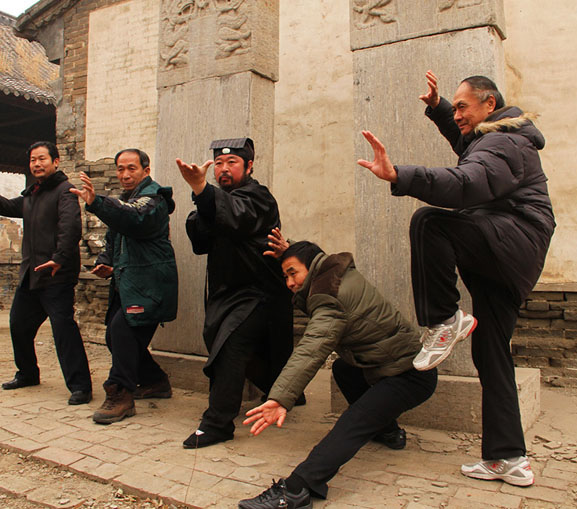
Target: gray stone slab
190,117
378,22
386,102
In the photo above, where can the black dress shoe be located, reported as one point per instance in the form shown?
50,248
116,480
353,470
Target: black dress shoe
80,398
203,439
396,439
18,383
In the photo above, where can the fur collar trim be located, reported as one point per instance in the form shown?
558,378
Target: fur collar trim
505,124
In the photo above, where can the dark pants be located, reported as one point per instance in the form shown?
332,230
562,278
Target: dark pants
30,309
132,363
442,241
373,409
237,360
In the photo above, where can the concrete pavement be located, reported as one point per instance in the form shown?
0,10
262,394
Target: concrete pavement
144,455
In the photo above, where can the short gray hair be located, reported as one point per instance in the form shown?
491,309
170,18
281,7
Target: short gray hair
484,88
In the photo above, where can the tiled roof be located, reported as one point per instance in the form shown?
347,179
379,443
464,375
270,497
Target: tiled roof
24,69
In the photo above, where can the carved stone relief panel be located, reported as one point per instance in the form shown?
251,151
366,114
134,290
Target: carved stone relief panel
377,22
459,4
202,38
372,12
233,33
174,31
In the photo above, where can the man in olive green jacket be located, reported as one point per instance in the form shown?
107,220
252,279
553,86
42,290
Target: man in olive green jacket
376,348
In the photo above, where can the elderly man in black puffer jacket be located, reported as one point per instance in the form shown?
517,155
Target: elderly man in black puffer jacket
497,236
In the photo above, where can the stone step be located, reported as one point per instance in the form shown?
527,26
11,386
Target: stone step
456,404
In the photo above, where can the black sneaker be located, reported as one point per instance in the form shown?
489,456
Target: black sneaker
277,496
396,439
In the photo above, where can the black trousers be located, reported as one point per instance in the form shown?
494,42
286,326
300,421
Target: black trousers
441,242
132,363
373,409
238,359
30,309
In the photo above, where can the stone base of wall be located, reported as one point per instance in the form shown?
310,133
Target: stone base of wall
546,334
456,403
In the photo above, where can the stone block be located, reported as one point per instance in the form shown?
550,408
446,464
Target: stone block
187,124
537,305
548,296
570,315
456,404
410,19
539,314
217,39
185,372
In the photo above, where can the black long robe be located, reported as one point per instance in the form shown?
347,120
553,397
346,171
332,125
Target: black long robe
232,228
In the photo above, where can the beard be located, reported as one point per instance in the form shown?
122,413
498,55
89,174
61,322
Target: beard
230,185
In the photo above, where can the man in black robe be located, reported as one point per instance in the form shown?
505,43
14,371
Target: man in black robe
248,322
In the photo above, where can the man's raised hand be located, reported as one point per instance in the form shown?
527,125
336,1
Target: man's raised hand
431,98
87,192
277,243
381,165
263,416
194,175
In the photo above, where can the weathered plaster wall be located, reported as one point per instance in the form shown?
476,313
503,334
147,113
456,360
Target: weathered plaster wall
314,166
121,102
541,72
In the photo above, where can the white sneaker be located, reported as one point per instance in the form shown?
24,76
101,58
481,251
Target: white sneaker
516,471
438,341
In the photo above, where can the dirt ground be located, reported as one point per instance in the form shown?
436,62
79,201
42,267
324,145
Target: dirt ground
74,491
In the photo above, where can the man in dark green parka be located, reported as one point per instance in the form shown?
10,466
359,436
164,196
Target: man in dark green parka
374,371
144,287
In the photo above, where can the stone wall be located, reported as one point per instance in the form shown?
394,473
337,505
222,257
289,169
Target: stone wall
71,125
546,334
92,291
121,104
10,257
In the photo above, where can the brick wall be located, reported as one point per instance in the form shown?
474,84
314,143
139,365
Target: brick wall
10,258
92,291
546,334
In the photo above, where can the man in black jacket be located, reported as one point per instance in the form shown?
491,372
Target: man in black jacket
497,237
248,322
48,274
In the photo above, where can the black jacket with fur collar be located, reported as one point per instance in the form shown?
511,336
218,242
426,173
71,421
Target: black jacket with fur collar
499,180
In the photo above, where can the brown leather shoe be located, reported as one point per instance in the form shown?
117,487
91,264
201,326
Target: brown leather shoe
119,403
161,390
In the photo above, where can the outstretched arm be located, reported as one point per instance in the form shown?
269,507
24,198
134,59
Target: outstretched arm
277,243
381,165
87,192
194,175
264,415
